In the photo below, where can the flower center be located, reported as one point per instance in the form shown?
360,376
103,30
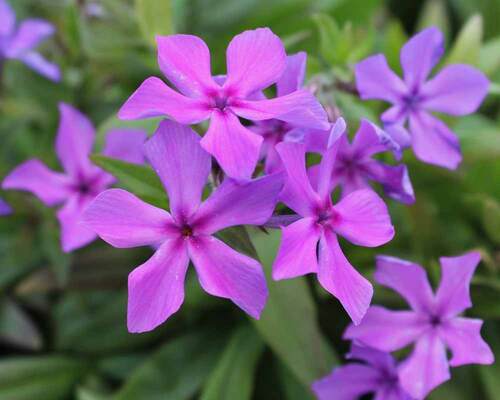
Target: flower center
435,320
186,231
412,101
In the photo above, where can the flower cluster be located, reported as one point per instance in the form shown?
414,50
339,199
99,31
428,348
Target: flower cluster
261,143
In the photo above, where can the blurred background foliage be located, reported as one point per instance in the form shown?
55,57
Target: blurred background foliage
62,317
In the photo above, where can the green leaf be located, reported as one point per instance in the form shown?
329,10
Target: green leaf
293,389
47,377
177,370
329,35
139,179
468,43
434,13
489,57
16,327
233,376
155,18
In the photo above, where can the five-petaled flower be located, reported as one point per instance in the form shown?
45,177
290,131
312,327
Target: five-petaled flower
378,374
82,180
156,288
255,60
433,325
456,90
20,43
361,217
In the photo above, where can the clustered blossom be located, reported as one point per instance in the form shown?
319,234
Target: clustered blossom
19,42
456,90
81,180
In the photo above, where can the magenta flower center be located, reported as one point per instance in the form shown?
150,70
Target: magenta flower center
186,231
327,217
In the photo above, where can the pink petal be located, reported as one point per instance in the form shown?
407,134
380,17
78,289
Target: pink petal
235,147
452,296
394,179
224,272
182,165
185,61
375,80
156,288
363,219
33,176
39,64
123,220
74,142
406,278
433,142
292,78
297,253
370,140
297,193
125,145
400,135
4,208
463,337
426,368
233,203
155,99
338,277
7,18
420,54
456,90
395,115
299,108
378,359
255,60
28,36
387,330
74,233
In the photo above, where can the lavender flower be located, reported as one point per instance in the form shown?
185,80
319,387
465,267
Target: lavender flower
20,42
355,167
4,208
361,217
378,374
156,288
433,325
255,60
82,180
456,90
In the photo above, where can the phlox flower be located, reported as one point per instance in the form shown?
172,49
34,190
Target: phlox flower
255,60
19,42
156,288
456,90
433,324
81,181
4,208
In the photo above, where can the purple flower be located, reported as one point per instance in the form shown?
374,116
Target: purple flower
456,90
355,167
377,374
20,42
361,217
433,324
156,288
4,208
81,180
255,60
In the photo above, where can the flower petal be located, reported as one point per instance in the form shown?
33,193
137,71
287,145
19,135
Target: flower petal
185,61
235,147
387,330
224,272
155,99
75,138
399,134
7,18
348,382
370,140
298,193
255,60
426,368
456,90
126,145
182,165
394,179
292,78
378,359
74,233
433,142
463,337
4,208
452,296
420,54
406,278
33,176
363,219
233,203
156,288
299,108
39,64
123,220
375,80
28,36
338,277
297,253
